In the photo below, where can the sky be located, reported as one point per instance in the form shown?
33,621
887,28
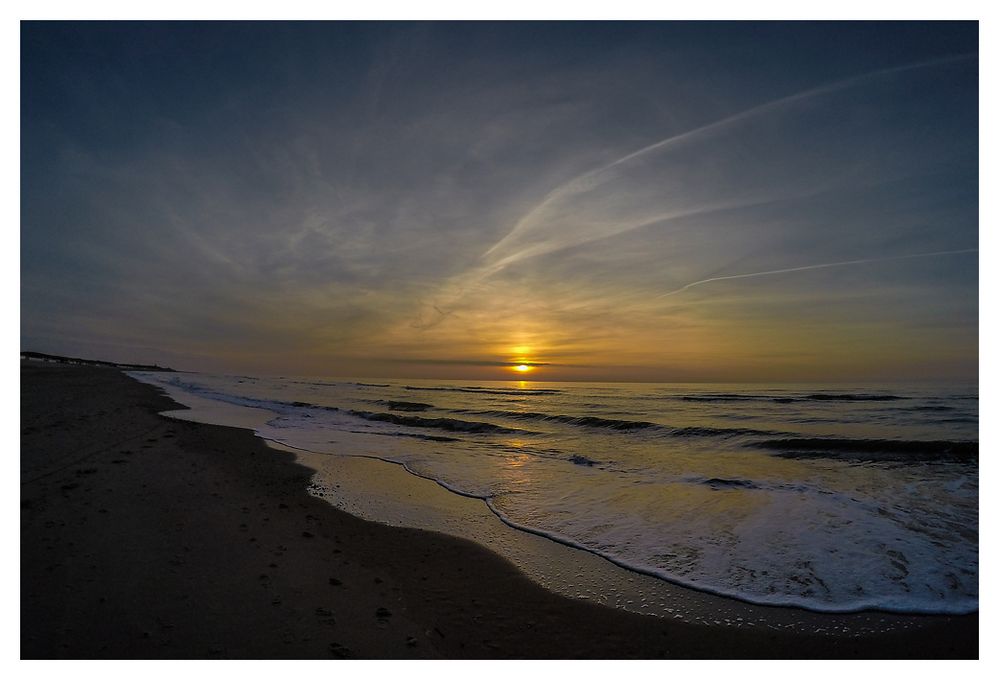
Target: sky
655,201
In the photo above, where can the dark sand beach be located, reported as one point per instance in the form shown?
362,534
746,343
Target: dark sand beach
148,537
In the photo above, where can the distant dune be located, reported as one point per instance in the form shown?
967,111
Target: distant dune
43,357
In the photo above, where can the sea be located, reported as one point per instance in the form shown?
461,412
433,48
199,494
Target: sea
833,498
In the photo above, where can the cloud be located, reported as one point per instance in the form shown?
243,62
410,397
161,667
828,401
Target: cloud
847,134
803,268
336,196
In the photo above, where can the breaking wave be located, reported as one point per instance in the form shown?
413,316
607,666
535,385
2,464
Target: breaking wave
483,391
455,425
873,449
786,399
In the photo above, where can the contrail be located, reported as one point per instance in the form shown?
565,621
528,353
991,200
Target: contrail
533,236
815,267
788,99
594,178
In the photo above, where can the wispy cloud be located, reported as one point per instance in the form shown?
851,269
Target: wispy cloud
822,140
820,266
358,198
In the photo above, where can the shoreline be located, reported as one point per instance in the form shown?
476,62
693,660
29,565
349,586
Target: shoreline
538,554
580,571
211,497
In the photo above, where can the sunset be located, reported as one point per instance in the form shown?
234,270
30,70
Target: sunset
332,201
499,339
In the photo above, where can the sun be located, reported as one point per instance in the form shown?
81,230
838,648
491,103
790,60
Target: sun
523,368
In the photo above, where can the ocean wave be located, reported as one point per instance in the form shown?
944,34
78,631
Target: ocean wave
418,436
708,431
872,449
850,397
486,391
786,399
455,425
588,421
324,384
727,483
405,406
272,404
300,405
625,425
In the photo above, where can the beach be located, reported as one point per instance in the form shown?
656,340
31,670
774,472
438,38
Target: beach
144,536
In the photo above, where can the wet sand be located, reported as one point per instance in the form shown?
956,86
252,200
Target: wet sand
149,537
